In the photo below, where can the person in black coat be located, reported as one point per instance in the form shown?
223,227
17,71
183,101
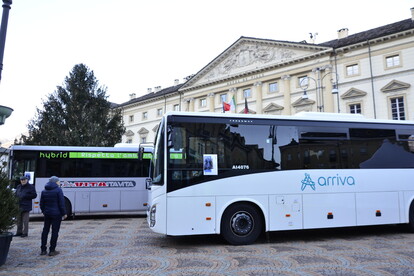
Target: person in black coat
26,193
52,204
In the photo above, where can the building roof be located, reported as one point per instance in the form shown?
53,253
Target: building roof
162,92
393,28
385,30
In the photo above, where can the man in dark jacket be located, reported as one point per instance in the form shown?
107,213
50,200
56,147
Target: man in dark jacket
26,193
52,204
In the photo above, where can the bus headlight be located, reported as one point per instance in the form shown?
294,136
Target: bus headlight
153,210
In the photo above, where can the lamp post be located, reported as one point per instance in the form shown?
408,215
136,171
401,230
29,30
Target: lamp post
304,84
336,91
5,111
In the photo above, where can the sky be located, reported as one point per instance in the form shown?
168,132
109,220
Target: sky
133,45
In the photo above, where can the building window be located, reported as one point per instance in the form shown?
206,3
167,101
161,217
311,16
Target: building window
303,81
143,139
223,98
129,141
159,112
203,102
176,107
144,115
247,93
397,108
131,118
352,70
355,108
393,61
273,87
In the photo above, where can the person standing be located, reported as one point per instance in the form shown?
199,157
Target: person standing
52,205
25,193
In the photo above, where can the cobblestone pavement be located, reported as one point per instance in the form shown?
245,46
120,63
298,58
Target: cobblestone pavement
124,245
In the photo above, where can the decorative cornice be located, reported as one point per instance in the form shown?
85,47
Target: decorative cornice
353,93
395,85
143,131
303,102
129,133
273,107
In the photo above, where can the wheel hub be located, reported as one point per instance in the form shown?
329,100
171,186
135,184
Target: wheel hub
242,224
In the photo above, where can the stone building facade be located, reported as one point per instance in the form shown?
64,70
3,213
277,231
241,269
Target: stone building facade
371,73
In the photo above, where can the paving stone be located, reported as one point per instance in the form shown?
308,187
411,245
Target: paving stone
124,245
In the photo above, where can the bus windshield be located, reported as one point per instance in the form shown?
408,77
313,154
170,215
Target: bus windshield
157,162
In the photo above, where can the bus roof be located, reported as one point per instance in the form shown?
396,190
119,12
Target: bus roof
303,116
147,148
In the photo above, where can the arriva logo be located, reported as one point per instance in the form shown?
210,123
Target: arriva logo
327,181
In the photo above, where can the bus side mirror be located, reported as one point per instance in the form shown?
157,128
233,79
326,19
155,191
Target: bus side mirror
148,183
140,153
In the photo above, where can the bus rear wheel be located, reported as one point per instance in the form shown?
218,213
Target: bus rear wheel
411,218
241,224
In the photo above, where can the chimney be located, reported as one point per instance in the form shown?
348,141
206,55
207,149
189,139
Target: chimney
157,88
342,33
176,81
149,90
132,96
412,14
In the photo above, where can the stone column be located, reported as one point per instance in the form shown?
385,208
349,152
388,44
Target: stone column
259,97
286,95
191,104
211,104
327,94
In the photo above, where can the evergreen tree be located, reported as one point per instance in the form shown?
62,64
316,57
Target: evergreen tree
77,114
8,201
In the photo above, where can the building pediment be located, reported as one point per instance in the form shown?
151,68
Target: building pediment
395,85
302,102
129,133
272,108
143,131
353,93
251,55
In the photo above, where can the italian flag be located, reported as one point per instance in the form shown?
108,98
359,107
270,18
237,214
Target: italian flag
233,104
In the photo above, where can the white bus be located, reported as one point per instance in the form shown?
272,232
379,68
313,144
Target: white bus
240,175
93,179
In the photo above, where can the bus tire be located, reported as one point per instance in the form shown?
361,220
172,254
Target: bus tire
68,207
411,218
241,224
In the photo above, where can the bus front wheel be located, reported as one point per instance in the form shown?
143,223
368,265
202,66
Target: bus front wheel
241,224
68,207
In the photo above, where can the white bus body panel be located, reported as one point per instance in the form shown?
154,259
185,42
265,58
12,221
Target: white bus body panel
158,197
349,197
82,201
329,210
386,204
285,212
105,201
99,199
190,217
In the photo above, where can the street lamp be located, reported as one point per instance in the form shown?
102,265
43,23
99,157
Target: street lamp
304,84
336,91
4,110
4,113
